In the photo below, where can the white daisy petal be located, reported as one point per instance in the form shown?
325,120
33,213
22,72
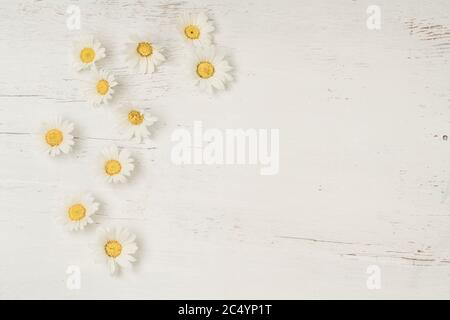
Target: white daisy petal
134,123
77,211
100,87
112,266
115,166
54,137
123,262
210,70
130,248
115,248
86,52
142,54
196,29
143,64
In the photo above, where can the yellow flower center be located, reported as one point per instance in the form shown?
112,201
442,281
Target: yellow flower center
87,55
102,87
135,117
145,49
54,137
192,32
205,70
77,212
112,167
113,248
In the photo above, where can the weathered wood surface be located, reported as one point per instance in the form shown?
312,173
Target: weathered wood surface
364,160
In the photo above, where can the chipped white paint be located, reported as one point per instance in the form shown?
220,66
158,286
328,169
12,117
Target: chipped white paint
364,165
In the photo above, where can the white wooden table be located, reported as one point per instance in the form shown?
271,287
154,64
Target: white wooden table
364,163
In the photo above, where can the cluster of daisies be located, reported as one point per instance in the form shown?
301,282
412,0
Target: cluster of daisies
209,68
211,71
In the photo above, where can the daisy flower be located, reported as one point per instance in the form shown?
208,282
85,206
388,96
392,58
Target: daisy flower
210,69
55,137
100,87
78,211
87,51
142,54
196,29
134,123
116,165
115,248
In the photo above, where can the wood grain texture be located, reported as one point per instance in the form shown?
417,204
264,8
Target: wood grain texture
364,172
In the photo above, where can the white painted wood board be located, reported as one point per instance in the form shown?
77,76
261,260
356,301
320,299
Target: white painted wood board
364,164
